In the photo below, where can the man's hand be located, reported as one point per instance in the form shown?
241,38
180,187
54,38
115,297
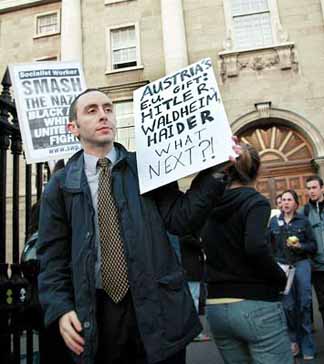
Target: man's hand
70,327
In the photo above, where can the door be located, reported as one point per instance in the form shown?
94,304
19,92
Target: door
286,160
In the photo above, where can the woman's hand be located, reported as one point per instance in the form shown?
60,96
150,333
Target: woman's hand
221,168
293,242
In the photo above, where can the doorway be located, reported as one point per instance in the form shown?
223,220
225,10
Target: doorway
286,160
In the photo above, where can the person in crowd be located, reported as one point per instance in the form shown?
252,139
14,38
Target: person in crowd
314,211
244,281
29,251
293,242
108,273
192,259
279,201
277,211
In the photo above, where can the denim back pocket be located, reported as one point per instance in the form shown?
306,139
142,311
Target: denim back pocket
269,323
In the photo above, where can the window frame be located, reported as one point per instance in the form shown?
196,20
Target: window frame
109,2
48,34
128,127
275,26
53,58
109,50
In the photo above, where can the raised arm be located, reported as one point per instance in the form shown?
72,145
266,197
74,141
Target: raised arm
185,213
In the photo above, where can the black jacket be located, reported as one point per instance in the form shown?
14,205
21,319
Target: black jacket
192,258
164,309
239,260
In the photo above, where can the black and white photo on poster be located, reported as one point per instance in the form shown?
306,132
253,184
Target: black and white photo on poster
180,126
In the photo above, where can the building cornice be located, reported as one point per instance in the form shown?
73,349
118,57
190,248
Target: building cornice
7,6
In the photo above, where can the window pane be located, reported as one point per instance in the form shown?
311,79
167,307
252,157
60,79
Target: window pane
131,54
248,6
123,38
115,35
252,31
47,24
127,138
124,113
125,124
124,53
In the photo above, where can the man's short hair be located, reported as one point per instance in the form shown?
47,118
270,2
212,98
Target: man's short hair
315,178
73,106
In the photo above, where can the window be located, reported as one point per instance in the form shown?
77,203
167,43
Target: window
254,26
108,2
125,124
123,47
47,24
46,59
251,23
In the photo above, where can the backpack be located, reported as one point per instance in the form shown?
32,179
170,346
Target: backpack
306,210
29,252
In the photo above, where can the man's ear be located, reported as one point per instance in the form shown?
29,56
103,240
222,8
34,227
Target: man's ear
73,128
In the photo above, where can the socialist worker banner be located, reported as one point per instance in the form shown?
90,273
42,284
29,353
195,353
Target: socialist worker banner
43,93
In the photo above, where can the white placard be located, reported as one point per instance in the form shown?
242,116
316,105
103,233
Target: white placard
43,93
180,126
290,273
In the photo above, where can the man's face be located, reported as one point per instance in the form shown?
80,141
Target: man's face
314,190
288,203
96,124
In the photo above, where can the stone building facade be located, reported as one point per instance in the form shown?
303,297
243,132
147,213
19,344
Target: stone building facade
29,32
268,57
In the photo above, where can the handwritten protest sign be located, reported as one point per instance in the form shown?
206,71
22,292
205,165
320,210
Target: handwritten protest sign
43,93
180,126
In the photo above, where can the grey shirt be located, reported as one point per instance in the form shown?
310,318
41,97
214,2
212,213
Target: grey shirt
92,172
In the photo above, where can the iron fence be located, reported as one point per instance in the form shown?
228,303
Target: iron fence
20,186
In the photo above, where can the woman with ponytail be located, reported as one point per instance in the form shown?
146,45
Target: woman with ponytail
244,281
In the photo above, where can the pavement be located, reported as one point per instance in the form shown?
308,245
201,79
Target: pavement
206,352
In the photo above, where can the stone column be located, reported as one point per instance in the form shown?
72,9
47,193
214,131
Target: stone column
320,163
174,35
71,34
322,5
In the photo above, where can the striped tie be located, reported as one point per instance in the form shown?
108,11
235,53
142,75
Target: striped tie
113,262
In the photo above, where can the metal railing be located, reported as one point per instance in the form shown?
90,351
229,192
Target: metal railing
20,185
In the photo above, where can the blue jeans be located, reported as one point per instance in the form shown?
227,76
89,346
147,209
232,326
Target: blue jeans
298,306
249,332
195,293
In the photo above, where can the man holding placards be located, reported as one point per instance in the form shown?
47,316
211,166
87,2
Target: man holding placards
109,276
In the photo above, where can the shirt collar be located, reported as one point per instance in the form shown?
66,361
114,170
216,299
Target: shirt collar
320,204
296,216
90,161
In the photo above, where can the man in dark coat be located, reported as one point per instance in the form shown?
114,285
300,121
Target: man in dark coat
155,319
314,211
